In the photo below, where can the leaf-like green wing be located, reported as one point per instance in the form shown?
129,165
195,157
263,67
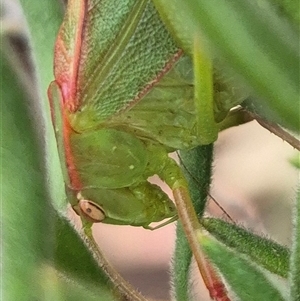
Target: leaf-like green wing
98,47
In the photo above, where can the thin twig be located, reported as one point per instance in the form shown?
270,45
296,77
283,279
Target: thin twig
276,130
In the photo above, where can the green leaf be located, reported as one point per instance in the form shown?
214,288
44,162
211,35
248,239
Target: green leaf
60,286
196,165
25,212
294,276
35,238
41,39
246,280
72,257
264,252
181,265
288,8
248,38
295,160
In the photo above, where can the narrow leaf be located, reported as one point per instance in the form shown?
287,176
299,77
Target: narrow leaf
246,280
263,251
250,39
35,238
24,212
41,41
294,276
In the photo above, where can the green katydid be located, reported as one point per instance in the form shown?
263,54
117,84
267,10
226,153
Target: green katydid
123,99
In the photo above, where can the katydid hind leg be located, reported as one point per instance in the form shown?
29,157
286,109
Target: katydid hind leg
192,228
194,231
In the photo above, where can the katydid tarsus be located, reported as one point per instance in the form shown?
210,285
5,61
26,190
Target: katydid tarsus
124,97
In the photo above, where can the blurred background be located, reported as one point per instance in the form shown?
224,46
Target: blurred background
252,180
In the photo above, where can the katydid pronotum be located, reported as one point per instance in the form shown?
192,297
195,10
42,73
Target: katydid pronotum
124,97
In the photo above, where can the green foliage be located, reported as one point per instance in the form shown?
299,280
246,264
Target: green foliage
251,42
263,251
236,269
295,257
36,239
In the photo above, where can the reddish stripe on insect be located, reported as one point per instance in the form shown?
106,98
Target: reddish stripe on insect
74,177
67,59
66,66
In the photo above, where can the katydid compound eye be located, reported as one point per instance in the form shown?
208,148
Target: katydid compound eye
91,211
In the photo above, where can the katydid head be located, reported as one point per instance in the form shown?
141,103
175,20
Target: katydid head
138,206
